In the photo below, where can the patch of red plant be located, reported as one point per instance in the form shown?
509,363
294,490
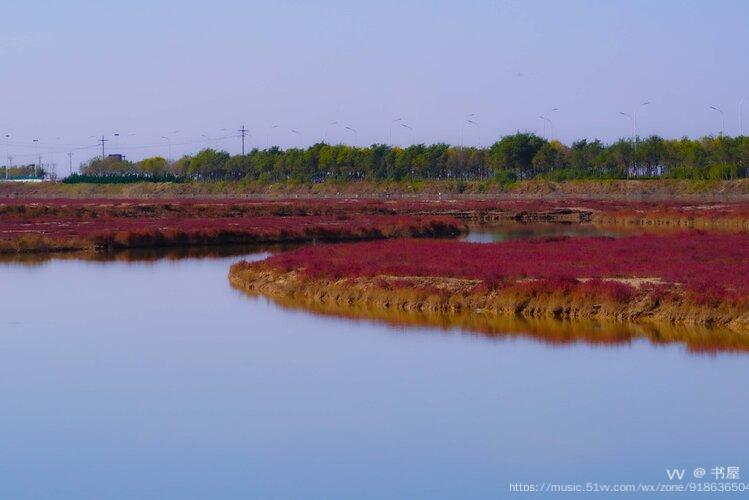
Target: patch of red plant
710,266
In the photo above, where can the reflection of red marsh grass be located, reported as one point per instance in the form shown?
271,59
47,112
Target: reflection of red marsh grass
54,233
688,277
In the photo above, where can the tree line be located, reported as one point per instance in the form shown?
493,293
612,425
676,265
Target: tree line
23,172
514,157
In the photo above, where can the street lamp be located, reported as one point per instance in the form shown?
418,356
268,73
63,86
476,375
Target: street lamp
551,125
298,134
722,119
413,134
267,142
634,145
169,143
741,118
325,135
478,128
356,134
462,125
390,130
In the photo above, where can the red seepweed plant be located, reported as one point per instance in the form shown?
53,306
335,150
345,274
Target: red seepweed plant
706,267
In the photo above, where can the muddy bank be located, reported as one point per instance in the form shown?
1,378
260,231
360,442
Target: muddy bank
584,301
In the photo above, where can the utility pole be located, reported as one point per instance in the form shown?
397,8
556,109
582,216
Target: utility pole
102,141
70,162
10,165
40,166
243,131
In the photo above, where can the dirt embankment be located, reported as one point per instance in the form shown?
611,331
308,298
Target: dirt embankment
465,296
641,190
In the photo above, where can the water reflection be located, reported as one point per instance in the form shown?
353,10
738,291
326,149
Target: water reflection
146,254
508,231
548,330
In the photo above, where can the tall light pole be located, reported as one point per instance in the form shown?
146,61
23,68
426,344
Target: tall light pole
70,162
169,145
10,160
462,125
267,144
634,115
722,119
299,135
634,131
325,135
478,128
413,133
545,119
356,134
741,117
390,130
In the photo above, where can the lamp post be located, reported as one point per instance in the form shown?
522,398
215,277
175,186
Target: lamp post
299,135
10,160
413,134
356,134
545,119
634,146
722,119
325,135
267,142
35,141
462,125
390,130
741,118
478,128
169,145
551,123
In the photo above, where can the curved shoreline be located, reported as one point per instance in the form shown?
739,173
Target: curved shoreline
459,296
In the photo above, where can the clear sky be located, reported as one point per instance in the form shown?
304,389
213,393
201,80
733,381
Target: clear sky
77,69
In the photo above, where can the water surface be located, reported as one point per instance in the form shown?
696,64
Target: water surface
155,379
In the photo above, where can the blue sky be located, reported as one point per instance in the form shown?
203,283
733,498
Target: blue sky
146,69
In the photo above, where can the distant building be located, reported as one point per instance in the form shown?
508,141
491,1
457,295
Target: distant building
647,171
116,157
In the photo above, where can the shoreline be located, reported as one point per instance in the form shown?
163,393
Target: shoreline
450,295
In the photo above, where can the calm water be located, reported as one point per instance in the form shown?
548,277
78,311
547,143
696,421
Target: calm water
513,231
156,379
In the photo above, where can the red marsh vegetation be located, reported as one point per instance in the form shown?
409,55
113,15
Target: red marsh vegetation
694,277
102,232
32,225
